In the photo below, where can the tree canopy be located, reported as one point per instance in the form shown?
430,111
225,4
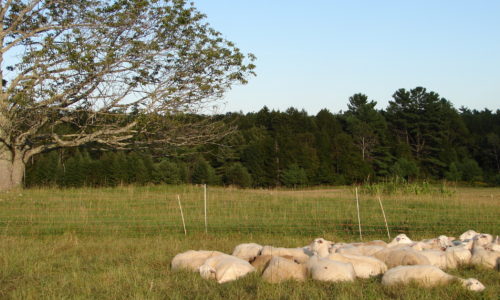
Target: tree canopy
73,71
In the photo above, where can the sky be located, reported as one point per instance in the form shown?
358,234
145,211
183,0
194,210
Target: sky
316,54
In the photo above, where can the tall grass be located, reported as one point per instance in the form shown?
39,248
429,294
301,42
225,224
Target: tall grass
117,243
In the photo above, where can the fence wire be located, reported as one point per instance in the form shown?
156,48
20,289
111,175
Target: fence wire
329,212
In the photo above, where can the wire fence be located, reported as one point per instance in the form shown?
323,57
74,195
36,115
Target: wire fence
329,212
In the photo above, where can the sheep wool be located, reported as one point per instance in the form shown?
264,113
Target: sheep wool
401,257
468,235
299,254
400,239
280,269
364,266
485,258
426,276
325,269
225,268
248,251
191,260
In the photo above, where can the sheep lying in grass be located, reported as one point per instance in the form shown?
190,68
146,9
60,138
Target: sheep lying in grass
494,246
261,261
427,276
280,269
321,247
449,259
346,249
225,268
191,260
371,243
364,266
325,269
401,257
482,239
440,243
468,235
366,249
486,258
248,251
400,239
370,250
299,254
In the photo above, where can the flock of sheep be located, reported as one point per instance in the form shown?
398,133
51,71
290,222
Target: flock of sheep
400,261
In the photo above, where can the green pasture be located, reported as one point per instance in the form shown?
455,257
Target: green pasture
117,243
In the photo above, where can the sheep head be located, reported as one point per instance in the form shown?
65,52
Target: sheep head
473,284
321,246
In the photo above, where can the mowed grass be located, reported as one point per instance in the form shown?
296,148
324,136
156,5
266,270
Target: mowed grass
117,243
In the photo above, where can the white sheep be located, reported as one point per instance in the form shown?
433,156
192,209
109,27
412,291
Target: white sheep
439,243
371,243
482,239
436,258
401,257
191,260
261,261
458,255
321,247
400,239
248,251
325,269
225,268
299,254
494,246
364,266
370,250
427,276
366,249
468,235
280,269
346,249
485,257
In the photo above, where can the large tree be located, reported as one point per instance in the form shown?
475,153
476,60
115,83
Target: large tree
73,71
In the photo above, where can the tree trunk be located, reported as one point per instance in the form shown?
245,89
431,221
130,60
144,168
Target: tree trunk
11,169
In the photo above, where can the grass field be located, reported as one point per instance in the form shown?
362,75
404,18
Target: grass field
118,242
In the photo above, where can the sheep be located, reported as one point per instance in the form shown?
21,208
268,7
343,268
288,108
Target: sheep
401,256
261,261
346,249
458,255
400,239
280,269
225,268
436,258
482,239
371,243
486,258
468,235
321,247
427,276
299,254
191,260
325,269
494,246
364,266
248,251
440,243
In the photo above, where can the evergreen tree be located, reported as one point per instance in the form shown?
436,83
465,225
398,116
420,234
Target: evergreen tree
294,176
237,174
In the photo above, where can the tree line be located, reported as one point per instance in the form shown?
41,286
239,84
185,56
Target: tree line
418,136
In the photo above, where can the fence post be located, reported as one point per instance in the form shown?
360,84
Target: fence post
359,219
182,215
383,213
205,201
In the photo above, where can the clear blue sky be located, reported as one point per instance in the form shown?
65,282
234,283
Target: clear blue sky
316,54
